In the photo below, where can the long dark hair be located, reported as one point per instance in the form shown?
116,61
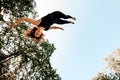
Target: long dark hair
30,34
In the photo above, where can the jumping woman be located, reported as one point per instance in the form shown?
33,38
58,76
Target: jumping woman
45,23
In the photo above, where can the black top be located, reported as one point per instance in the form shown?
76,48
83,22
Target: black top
52,18
46,21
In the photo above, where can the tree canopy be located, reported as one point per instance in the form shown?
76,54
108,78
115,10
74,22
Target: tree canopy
18,8
112,71
19,58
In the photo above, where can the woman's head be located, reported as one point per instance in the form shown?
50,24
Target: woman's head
30,33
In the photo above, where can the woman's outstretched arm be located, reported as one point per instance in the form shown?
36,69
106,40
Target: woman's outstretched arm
55,27
34,22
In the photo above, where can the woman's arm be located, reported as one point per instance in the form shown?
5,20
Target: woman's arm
34,22
55,27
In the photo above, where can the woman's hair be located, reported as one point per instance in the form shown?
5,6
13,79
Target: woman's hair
30,34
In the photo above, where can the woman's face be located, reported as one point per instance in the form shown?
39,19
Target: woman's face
37,33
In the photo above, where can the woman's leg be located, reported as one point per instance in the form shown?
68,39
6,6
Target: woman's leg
61,15
60,21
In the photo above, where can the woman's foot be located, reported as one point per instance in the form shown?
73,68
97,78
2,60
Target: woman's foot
73,18
72,22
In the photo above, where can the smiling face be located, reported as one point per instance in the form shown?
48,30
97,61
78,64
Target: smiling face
30,33
37,33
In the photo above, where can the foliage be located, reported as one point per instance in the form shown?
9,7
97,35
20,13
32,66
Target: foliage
19,58
112,71
114,61
18,8
109,76
23,59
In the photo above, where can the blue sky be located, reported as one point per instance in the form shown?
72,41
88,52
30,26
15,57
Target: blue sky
81,47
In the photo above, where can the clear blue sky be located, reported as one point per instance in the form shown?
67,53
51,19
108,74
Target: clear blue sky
81,47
